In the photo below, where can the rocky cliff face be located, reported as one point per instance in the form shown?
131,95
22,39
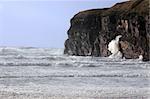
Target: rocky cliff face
92,30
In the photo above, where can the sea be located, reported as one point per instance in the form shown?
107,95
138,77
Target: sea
46,73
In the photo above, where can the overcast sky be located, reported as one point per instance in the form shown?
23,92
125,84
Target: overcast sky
41,23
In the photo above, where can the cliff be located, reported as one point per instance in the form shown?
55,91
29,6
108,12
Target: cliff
92,30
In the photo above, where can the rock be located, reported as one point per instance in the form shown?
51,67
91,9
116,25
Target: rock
92,30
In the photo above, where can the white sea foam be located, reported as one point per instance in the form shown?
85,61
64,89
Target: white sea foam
48,72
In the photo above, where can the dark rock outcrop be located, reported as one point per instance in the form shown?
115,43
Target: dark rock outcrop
92,30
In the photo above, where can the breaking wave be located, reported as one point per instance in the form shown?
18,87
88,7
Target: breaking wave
28,56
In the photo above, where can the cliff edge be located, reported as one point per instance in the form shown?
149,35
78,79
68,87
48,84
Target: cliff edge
92,30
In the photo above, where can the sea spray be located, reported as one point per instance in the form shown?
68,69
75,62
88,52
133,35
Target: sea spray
113,47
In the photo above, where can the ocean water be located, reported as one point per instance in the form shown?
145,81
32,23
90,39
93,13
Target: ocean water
44,73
